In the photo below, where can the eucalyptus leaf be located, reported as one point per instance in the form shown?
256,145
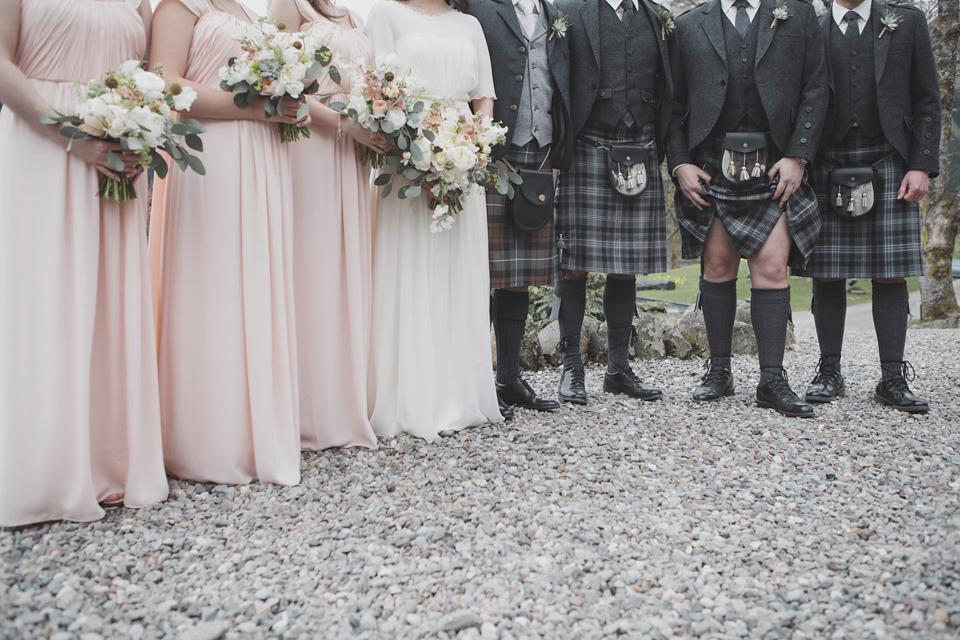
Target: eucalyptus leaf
382,179
413,191
387,126
194,142
334,74
114,161
195,164
160,168
303,111
337,106
386,190
193,126
314,71
415,153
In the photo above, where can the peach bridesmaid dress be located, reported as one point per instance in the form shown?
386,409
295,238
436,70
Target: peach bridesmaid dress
332,263
79,410
224,278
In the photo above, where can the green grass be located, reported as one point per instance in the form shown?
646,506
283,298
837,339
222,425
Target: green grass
688,278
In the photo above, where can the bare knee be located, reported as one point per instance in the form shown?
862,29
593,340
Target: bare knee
770,273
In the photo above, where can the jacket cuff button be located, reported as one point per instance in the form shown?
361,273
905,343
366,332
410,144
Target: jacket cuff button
513,107
803,141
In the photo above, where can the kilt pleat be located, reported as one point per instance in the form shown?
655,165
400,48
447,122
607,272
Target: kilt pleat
884,243
602,231
519,259
747,211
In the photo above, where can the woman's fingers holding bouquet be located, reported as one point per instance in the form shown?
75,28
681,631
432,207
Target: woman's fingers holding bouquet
362,136
96,154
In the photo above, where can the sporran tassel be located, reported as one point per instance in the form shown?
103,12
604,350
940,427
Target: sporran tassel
756,167
744,176
839,198
732,170
850,206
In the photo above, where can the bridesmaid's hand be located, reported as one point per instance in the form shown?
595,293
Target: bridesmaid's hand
94,153
288,113
363,136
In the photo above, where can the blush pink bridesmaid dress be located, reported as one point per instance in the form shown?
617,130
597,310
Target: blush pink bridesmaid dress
332,262
79,409
224,278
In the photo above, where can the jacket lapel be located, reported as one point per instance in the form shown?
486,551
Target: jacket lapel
826,30
881,46
509,15
590,19
654,16
765,37
712,25
549,12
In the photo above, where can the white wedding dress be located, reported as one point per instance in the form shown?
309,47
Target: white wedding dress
431,366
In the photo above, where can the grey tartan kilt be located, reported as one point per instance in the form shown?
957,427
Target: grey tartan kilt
747,212
884,243
519,259
602,231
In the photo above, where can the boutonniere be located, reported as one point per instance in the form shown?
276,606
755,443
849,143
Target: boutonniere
890,21
560,24
667,25
780,12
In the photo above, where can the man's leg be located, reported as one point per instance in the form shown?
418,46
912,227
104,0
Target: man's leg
510,310
770,312
829,315
619,306
572,291
890,311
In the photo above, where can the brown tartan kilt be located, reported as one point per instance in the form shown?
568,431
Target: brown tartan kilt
519,259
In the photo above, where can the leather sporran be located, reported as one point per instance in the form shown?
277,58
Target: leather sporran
852,191
744,156
627,168
532,205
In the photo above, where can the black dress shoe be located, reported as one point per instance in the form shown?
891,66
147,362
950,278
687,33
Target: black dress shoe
716,383
895,392
520,394
572,388
626,381
827,384
505,409
777,394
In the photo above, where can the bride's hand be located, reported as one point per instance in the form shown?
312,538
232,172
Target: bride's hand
363,136
94,153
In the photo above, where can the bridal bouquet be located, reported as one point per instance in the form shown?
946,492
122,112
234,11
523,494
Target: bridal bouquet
134,107
276,64
450,158
384,98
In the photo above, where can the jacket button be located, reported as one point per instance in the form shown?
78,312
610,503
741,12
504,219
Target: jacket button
926,152
519,78
522,50
803,141
723,83
513,107
928,119
929,135
809,109
806,126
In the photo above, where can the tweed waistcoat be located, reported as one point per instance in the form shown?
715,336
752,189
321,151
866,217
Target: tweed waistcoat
534,121
742,109
856,90
629,59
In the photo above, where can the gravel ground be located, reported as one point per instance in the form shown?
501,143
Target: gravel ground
657,520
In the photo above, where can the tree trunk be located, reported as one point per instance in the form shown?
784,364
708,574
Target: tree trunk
940,216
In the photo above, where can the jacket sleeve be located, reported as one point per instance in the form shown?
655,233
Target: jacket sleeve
814,94
925,94
677,150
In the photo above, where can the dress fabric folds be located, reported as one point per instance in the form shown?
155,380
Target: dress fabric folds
431,363
225,305
79,407
332,261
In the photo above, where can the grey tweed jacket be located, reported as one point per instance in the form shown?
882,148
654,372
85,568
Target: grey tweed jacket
908,88
790,72
508,57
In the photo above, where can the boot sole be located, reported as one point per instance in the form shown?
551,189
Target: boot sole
618,391
571,399
726,394
821,400
879,398
769,405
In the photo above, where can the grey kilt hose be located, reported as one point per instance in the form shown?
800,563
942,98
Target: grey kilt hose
884,243
747,212
599,230
519,259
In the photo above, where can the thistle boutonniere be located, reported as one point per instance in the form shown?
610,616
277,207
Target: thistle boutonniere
890,21
560,24
780,12
667,25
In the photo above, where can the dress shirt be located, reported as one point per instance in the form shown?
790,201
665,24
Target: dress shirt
863,10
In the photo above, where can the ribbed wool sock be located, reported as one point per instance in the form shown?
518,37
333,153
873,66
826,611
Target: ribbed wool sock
619,305
509,321
769,312
719,303
573,304
891,306
829,315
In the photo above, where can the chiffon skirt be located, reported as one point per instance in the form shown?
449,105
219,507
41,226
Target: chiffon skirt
79,409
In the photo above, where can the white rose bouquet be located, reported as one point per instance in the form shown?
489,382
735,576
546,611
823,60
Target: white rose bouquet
276,64
450,158
384,99
134,108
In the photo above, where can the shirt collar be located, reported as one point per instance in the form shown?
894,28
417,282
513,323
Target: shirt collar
616,4
726,5
536,3
863,10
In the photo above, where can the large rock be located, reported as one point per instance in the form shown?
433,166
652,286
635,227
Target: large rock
690,326
675,345
692,329
648,341
531,355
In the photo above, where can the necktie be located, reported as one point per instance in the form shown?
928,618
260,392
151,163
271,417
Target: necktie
529,20
627,10
853,27
743,20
